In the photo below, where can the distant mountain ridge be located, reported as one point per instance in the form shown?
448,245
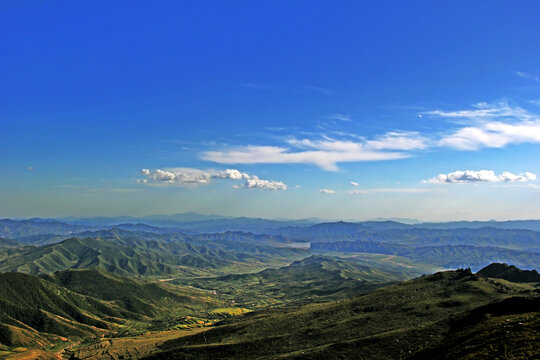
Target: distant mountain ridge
447,256
29,230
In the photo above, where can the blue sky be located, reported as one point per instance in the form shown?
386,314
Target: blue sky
349,110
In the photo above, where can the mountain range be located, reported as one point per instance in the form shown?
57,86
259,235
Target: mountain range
97,289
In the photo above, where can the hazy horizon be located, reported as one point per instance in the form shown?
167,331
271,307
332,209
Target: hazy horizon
313,219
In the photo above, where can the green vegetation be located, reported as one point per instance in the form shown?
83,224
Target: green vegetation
136,290
314,279
391,322
508,329
134,253
30,303
8,243
510,273
82,305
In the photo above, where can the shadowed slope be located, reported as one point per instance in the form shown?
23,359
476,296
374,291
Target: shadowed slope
510,273
391,322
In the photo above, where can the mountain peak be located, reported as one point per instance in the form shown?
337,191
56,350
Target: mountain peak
510,273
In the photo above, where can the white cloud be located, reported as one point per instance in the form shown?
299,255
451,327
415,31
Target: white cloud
255,183
399,140
190,176
340,117
184,176
353,183
327,191
491,125
485,125
526,75
471,176
389,190
325,152
493,135
231,174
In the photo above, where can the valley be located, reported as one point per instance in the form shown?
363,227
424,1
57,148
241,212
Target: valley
112,293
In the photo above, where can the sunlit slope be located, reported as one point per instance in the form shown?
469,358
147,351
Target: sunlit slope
125,254
390,322
313,279
147,298
33,304
65,308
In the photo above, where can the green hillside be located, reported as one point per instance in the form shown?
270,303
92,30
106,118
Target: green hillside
151,299
74,306
507,329
313,279
8,242
390,322
30,303
127,253
510,273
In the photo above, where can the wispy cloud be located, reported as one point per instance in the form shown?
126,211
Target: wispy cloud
484,111
325,152
484,125
340,117
389,190
491,125
322,90
353,183
327,191
526,75
475,176
193,177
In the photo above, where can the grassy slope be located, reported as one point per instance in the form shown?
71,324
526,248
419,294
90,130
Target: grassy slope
31,303
81,305
314,279
132,255
509,329
390,322
510,273
151,299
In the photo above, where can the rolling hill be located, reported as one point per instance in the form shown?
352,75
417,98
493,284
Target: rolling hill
313,279
53,312
41,309
391,322
138,253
